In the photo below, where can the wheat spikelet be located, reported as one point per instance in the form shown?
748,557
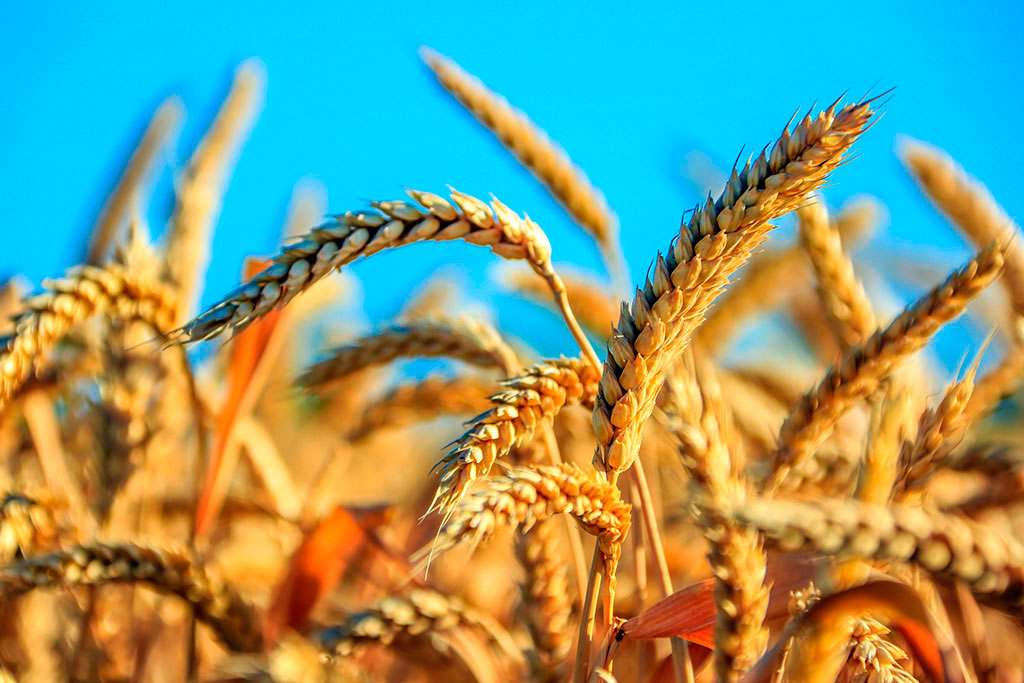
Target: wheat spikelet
872,656
847,304
425,400
737,557
969,206
95,565
470,340
949,548
82,293
527,495
118,205
590,300
202,187
715,242
362,233
858,374
535,396
566,182
25,525
548,610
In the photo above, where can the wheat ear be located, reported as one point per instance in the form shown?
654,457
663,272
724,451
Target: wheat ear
848,306
425,400
949,548
858,374
117,207
548,610
527,495
969,206
202,188
470,340
738,561
546,160
83,292
174,572
347,237
715,241
535,396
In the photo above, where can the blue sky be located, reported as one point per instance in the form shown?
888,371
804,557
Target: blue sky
627,91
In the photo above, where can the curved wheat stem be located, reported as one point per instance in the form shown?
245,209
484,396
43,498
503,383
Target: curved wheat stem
867,364
428,399
715,242
82,293
470,340
969,206
848,306
549,163
95,565
949,548
591,301
537,395
202,188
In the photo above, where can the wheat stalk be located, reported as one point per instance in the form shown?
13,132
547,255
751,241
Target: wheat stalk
528,400
858,374
470,340
174,572
202,188
590,300
82,293
949,548
715,241
841,291
548,162
969,206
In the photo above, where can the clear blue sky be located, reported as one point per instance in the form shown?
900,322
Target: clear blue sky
627,91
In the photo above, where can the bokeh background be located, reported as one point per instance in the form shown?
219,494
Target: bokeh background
644,98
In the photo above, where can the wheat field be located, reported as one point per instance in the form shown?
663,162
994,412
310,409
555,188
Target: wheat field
825,504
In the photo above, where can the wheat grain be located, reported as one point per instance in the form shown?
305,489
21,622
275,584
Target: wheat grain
82,293
715,241
549,163
470,340
535,396
969,206
25,526
202,188
858,374
841,291
362,233
174,572
949,548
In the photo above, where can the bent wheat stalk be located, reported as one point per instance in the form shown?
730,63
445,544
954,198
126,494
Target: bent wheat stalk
712,245
469,340
858,374
535,396
549,163
82,293
95,565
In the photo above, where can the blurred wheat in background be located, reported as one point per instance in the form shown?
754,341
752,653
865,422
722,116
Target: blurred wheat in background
650,505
